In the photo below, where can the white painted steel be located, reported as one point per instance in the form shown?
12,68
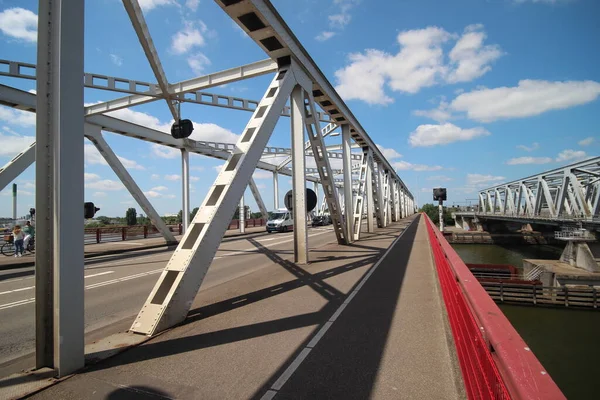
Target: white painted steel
359,200
59,282
19,163
242,215
92,132
185,189
299,176
347,168
171,298
258,199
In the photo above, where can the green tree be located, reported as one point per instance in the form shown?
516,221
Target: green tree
433,212
180,217
103,220
131,216
193,213
236,215
256,215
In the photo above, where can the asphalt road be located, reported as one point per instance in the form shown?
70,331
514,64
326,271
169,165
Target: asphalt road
118,285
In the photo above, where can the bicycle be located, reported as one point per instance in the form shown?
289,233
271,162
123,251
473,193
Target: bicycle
8,248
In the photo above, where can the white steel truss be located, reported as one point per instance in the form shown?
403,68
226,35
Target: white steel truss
566,193
296,72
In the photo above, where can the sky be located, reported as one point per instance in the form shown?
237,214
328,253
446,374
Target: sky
461,94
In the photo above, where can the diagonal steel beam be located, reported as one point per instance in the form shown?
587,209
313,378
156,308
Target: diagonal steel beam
173,294
93,133
17,165
259,200
141,29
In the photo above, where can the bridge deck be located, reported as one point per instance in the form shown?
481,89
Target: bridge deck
336,328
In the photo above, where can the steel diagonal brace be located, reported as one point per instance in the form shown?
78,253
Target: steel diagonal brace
359,200
173,294
92,132
318,147
325,131
17,165
259,200
141,29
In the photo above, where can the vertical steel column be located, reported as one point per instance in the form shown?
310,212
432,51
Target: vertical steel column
14,197
316,189
347,168
299,176
259,200
370,197
275,191
185,188
242,215
59,287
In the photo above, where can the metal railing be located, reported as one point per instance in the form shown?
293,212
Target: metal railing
495,361
574,234
542,295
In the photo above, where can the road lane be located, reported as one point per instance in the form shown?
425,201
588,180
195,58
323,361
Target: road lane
117,286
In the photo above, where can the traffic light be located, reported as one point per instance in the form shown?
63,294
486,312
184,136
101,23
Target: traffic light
182,128
89,210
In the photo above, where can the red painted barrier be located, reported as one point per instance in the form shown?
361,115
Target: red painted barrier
495,361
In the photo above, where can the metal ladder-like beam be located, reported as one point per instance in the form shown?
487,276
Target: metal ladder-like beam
359,200
173,294
16,166
317,143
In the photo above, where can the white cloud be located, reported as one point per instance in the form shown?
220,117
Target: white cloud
479,179
339,20
261,186
420,63
197,168
105,184
100,194
148,5
189,37
130,164
390,154
406,166
262,174
529,98
194,178
568,155
440,178
155,177
439,114
198,62
118,61
325,35
173,177
19,23
159,188
152,193
12,145
470,58
586,141
218,168
432,135
212,133
165,151
16,117
529,160
192,4
90,177
534,146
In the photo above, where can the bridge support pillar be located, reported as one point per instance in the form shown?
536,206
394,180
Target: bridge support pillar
59,283
578,254
185,188
275,190
299,176
242,215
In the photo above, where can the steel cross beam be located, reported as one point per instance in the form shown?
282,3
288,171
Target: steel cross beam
93,133
258,198
359,200
325,131
172,296
17,165
141,29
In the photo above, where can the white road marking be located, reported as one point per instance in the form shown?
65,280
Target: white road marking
126,278
272,392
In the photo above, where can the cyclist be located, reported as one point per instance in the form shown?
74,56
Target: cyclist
29,231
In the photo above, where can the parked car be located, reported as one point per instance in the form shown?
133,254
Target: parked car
321,220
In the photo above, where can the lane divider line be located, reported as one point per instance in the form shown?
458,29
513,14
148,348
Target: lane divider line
272,392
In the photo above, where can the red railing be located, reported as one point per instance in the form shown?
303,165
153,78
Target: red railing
252,222
494,360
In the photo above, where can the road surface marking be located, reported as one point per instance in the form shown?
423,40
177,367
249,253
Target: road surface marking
126,278
272,392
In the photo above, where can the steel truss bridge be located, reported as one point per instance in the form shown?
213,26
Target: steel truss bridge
366,184
561,196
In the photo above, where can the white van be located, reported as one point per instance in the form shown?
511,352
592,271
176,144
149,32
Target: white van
281,221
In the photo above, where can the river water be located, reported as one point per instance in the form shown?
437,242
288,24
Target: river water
566,341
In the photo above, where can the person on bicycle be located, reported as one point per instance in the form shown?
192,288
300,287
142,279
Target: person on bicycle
29,231
18,235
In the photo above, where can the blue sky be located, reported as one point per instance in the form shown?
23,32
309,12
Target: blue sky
461,94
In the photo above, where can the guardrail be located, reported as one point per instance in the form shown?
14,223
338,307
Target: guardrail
543,217
114,233
495,361
542,295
